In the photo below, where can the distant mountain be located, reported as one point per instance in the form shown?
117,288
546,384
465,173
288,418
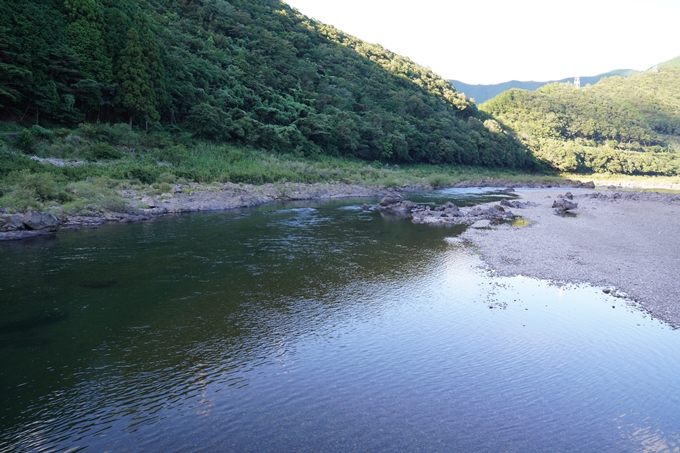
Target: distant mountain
620,125
482,93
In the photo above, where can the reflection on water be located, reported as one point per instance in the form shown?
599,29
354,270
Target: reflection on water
315,328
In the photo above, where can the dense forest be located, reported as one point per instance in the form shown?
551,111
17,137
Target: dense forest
620,125
251,72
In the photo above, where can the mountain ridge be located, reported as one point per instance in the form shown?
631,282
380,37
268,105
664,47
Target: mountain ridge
481,93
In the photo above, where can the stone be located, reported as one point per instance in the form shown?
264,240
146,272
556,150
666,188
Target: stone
391,199
11,222
563,205
150,202
35,220
450,206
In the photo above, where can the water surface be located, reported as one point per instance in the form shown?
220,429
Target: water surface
316,328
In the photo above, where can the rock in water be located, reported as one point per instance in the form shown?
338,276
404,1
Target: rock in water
563,205
35,220
391,199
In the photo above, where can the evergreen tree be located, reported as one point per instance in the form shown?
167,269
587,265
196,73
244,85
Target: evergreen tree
86,33
156,71
135,89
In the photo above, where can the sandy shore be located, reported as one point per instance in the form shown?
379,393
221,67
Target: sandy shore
628,242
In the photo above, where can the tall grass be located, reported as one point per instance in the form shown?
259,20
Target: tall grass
103,158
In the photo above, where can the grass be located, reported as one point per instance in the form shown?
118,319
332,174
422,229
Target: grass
111,157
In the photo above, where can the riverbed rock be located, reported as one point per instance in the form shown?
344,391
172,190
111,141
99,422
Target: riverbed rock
562,205
36,220
11,222
392,198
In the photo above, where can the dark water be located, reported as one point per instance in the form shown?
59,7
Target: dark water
316,328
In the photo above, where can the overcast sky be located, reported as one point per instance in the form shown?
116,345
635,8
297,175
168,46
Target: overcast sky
493,41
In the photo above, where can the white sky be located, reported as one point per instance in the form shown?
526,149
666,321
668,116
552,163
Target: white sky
493,41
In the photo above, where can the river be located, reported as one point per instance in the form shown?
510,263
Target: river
316,327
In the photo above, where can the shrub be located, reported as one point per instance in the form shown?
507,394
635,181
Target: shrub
167,178
46,186
438,180
174,155
103,151
25,141
145,175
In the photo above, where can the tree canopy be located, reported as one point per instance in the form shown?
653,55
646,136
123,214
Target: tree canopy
620,125
252,72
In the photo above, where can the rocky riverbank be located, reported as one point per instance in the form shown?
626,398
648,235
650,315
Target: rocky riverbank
145,205
624,242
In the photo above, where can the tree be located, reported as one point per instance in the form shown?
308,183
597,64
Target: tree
86,32
135,89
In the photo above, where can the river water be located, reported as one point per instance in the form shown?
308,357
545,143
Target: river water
316,327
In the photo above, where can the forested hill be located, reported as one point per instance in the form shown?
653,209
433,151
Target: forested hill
482,93
247,71
620,125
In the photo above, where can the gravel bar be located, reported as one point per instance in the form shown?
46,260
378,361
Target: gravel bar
626,242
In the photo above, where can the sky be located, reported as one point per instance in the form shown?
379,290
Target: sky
494,41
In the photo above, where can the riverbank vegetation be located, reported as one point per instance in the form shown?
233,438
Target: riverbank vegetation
87,167
618,126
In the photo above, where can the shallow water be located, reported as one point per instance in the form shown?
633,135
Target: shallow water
316,328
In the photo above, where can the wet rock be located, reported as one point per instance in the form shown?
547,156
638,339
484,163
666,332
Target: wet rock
391,199
35,220
507,190
562,205
11,222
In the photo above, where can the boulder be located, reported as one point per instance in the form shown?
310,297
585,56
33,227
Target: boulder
563,205
391,199
450,206
35,220
150,202
11,222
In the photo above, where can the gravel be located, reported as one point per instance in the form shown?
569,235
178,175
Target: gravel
626,242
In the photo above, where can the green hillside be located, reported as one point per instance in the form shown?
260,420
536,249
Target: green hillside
482,93
246,72
673,62
620,125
